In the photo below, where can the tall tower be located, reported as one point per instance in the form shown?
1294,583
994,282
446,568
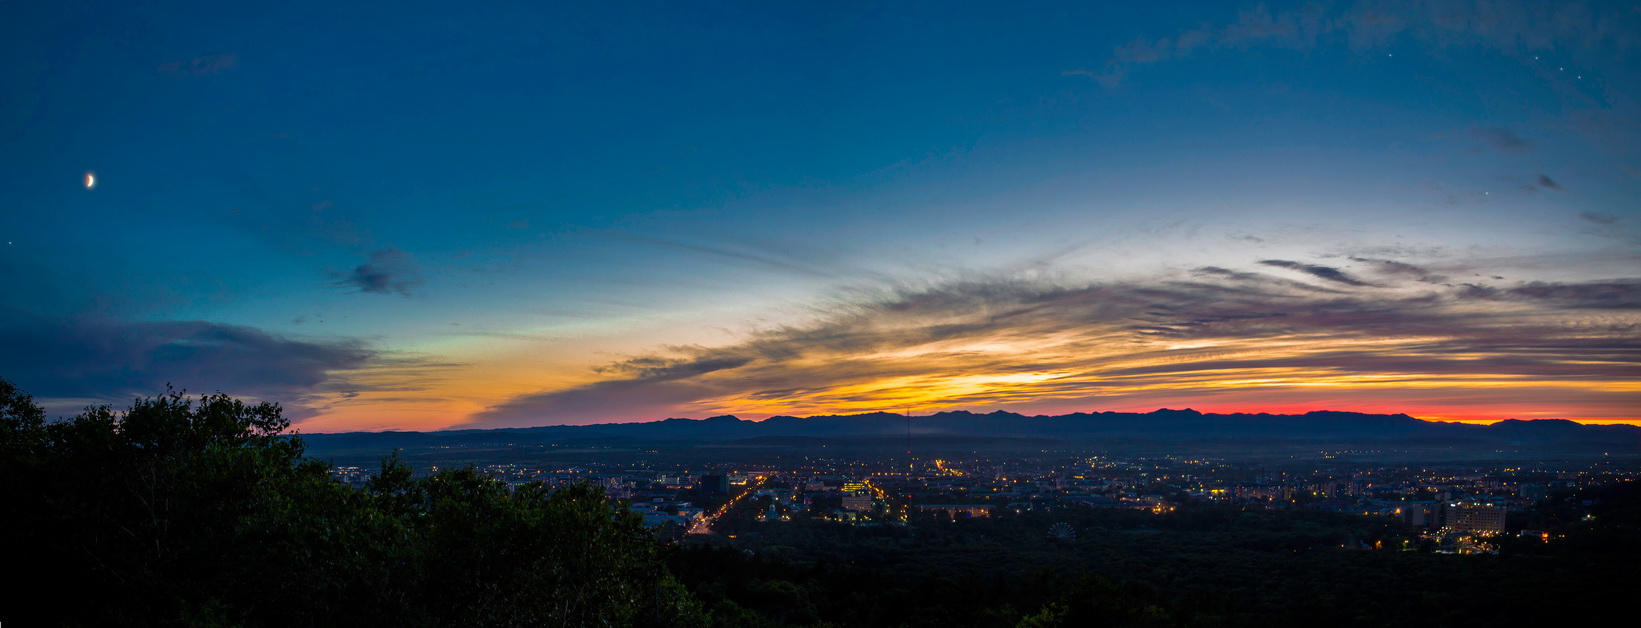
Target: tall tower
909,465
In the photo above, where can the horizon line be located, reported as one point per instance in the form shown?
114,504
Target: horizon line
1466,421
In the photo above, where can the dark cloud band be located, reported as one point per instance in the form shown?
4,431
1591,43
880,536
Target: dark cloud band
110,361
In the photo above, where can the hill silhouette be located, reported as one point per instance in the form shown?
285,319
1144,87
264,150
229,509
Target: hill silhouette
1163,427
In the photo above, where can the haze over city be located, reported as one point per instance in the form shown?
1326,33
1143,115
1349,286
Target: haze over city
432,218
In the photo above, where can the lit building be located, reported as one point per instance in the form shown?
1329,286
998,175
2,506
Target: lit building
1472,517
857,502
957,510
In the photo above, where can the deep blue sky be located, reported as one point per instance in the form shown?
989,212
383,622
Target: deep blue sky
422,215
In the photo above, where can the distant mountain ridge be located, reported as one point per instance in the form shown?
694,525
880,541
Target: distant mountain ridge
1162,426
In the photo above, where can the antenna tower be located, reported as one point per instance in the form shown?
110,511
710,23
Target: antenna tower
909,445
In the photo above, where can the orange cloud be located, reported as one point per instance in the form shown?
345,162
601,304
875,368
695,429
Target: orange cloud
1212,338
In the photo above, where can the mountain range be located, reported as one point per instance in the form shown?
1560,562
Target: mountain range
1163,429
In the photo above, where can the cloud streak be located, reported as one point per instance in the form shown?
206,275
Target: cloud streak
387,271
199,66
1217,335
83,361
1367,24
1502,140
1321,272
726,254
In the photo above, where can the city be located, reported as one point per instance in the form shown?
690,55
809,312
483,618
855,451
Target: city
1465,508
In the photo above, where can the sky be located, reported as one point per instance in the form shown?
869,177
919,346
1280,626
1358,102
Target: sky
419,216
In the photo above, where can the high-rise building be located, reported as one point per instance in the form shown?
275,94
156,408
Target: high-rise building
1472,517
1534,492
713,484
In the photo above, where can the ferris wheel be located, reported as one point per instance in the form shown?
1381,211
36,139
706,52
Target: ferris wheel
1062,530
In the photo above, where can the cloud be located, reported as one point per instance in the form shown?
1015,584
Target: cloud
1025,341
1255,26
1623,294
659,369
1371,24
1600,218
1544,181
388,270
1393,268
1502,140
111,361
199,66
1110,78
726,254
1321,272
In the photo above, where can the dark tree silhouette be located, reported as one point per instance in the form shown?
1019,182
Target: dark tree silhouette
205,512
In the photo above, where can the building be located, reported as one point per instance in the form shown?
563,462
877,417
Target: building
957,511
1419,514
1535,492
857,502
1472,517
713,485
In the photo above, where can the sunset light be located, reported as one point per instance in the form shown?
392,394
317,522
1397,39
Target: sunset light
1038,212
875,314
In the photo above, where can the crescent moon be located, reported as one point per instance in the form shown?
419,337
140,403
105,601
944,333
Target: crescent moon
90,180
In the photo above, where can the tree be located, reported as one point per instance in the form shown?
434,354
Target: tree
143,506
22,424
206,512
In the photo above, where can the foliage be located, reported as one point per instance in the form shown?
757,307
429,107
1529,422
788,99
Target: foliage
1201,565
204,512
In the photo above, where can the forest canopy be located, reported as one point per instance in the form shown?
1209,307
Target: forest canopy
204,511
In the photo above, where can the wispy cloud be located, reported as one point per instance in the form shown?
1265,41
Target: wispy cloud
1321,272
1502,140
387,271
1624,294
199,66
1402,270
1030,342
1600,218
1369,24
112,361
726,253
